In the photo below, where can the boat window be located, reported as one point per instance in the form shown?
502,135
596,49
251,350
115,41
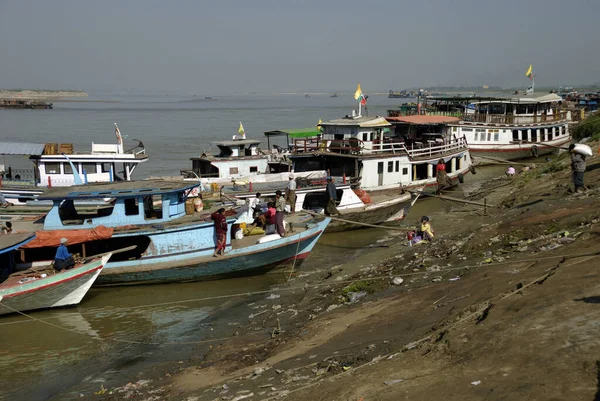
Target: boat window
466,129
52,168
521,109
390,167
89,168
515,134
496,136
404,170
71,214
67,169
106,167
233,170
489,138
254,169
131,207
380,168
397,165
509,108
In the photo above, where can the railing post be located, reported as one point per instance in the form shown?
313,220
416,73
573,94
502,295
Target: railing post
49,182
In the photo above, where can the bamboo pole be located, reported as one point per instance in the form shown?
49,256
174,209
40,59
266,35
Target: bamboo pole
456,199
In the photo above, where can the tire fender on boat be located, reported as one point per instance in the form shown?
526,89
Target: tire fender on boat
461,178
472,169
535,151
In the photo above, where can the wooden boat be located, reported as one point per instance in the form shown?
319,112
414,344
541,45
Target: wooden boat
24,104
169,241
43,287
376,153
58,165
386,206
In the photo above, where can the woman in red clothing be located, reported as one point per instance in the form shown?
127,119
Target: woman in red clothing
442,178
220,230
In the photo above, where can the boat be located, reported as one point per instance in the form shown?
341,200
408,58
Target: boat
334,95
164,238
400,95
375,153
24,104
43,287
354,205
58,165
242,161
514,128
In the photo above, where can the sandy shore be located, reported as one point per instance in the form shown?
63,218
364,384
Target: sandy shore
39,95
499,306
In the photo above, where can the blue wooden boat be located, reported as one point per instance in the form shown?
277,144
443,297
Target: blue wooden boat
163,242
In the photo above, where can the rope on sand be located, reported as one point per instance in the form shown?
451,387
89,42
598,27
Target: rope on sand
358,223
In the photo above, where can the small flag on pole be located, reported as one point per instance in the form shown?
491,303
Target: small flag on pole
529,73
241,131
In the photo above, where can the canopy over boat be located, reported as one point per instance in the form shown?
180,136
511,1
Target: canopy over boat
123,189
20,148
423,119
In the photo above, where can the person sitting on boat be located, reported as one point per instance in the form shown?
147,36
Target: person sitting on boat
331,193
426,232
63,259
280,212
220,230
510,172
7,228
3,201
442,179
290,194
254,205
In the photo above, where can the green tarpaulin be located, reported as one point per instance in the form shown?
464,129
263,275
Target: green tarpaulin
295,133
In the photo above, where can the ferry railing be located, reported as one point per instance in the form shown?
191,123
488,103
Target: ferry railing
514,120
342,146
427,151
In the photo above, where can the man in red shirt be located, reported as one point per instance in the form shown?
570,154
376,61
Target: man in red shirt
221,231
442,178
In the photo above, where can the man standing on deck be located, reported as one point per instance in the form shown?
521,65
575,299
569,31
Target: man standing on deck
290,194
331,192
254,205
221,231
578,168
280,213
63,259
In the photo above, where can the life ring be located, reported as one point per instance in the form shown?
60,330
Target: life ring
461,178
472,169
535,151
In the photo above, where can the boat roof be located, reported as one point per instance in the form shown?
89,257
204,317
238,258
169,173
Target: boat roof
525,99
237,142
423,119
295,133
363,121
122,189
21,148
8,242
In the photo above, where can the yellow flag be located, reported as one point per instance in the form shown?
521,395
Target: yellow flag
241,129
358,93
529,72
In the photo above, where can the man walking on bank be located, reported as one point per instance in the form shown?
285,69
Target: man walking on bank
280,213
578,168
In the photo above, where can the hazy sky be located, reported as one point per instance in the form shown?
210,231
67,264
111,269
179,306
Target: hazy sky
221,47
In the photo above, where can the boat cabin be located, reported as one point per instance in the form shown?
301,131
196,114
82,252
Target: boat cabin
9,243
55,164
236,158
132,203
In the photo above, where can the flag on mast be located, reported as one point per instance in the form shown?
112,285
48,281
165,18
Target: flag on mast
529,73
359,95
241,131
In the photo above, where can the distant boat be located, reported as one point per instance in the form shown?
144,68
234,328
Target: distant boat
334,95
307,95
209,98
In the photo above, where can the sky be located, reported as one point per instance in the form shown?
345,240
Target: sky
224,46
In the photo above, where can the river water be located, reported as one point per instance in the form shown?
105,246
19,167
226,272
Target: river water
116,332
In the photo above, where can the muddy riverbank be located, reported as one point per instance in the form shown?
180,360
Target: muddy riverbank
502,305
